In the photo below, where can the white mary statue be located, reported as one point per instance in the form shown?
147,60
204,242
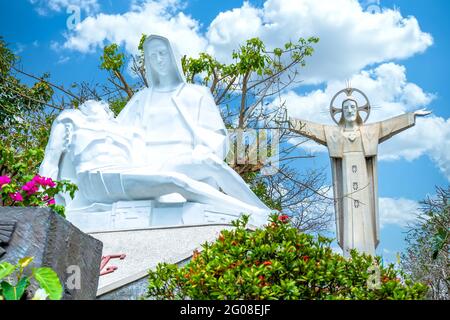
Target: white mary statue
166,147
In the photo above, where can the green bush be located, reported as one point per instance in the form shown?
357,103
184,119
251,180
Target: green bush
278,262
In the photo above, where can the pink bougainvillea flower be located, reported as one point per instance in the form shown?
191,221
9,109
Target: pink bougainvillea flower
16,196
30,187
48,182
283,218
43,181
4,180
37,179
50,201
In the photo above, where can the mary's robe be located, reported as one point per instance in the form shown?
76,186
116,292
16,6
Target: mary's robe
195,119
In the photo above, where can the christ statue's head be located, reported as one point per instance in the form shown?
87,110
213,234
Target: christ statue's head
350,112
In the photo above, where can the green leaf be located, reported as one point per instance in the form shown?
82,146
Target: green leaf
439,241
7,291
6,269
14,293
21,286
49,281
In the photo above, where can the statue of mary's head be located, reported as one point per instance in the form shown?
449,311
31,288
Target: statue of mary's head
161,60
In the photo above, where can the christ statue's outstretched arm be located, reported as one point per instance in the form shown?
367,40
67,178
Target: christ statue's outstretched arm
392,126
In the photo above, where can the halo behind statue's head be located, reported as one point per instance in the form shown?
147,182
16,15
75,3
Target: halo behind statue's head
349,97
175,59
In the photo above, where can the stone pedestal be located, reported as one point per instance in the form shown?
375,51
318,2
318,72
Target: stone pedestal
53,242
133,215
147,233
144,249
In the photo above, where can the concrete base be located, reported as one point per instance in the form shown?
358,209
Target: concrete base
144,249
133,215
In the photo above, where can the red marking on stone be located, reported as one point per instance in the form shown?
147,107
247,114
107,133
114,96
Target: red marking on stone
106,259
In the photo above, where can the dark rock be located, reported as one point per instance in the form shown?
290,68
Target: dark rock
6,231
53,242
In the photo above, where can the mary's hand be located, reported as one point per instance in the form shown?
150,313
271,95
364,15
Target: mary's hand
422,113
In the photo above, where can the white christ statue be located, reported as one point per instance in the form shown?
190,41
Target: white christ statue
353,148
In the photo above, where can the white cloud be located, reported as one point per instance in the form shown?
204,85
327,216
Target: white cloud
63,60
231,28
400,212
19,48
56,46
430,136
152,17
44,7
350,37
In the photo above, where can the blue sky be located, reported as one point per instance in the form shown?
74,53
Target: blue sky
405,55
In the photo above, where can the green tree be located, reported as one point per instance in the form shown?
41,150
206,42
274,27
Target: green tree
426,258
18,101
24,117
249,91
113,61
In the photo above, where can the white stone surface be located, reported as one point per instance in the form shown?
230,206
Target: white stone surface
169,139
353,148
146,248
132,215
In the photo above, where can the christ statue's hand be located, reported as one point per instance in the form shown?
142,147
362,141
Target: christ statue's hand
422,113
